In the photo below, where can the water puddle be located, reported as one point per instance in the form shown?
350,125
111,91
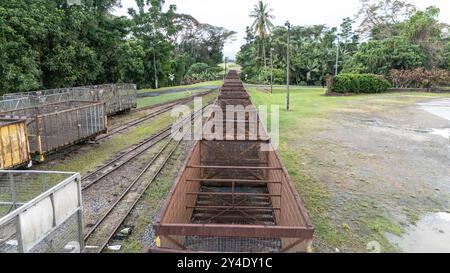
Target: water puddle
440,108
431,234
441,132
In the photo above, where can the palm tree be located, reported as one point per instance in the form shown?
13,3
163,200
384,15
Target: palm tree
262,25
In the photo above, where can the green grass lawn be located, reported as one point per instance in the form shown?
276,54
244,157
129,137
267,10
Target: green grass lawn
309,107
201,84
143,102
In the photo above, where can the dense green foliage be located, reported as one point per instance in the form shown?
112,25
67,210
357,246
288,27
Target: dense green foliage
380,56
359,83
200,72
48,44
396,36
312,55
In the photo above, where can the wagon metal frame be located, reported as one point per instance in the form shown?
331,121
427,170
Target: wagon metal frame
117,97
232,196
57,125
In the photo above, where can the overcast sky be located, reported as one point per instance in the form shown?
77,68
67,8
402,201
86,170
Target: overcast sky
233,14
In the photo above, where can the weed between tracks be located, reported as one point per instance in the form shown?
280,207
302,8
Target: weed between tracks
143,102
142,216
88,157
202,84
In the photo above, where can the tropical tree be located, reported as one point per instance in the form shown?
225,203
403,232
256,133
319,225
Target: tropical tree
424,29
262,26
51,43
379,18
348,39
379,57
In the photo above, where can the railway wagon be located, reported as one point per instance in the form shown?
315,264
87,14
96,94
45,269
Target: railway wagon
233,193
14,147
21,100
117,97
57,125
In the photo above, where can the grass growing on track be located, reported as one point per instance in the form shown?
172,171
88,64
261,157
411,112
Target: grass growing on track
88,159
143,102
141,218
202,84
310,107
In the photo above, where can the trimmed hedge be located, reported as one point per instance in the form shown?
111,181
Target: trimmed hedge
359,83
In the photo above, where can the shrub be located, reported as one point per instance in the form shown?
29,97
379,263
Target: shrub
419,78
359,83
199,72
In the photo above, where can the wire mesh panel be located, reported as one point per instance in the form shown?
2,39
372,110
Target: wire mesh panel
40,212
117,97
57,125
232,195
14,104
63,128
232,244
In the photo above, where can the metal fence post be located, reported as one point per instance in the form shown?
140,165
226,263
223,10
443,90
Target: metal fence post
13,191
80,215
19,235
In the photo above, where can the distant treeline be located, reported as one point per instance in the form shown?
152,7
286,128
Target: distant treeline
49,44
390,35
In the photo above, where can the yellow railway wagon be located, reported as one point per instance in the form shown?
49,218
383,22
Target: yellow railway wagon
14,146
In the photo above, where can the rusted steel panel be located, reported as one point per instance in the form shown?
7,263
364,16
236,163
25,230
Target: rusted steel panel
117,97
57,125
232,195
234,230
14,148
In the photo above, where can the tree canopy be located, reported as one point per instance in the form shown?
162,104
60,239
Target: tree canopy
389,34
49,44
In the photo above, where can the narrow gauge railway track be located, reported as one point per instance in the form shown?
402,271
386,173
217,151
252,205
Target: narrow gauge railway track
200,94
100,233
166,107
131,153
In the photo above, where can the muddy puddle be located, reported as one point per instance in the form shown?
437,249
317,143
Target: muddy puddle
431,234
440,108
445,133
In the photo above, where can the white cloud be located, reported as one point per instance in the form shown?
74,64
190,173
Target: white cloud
233,14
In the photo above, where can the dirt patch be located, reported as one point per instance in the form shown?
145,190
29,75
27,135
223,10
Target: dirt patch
381,167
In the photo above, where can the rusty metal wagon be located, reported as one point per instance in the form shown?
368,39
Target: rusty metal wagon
117,97
233,193
57,125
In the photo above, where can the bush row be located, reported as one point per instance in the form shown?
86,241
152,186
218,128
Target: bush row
420,78
359,83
